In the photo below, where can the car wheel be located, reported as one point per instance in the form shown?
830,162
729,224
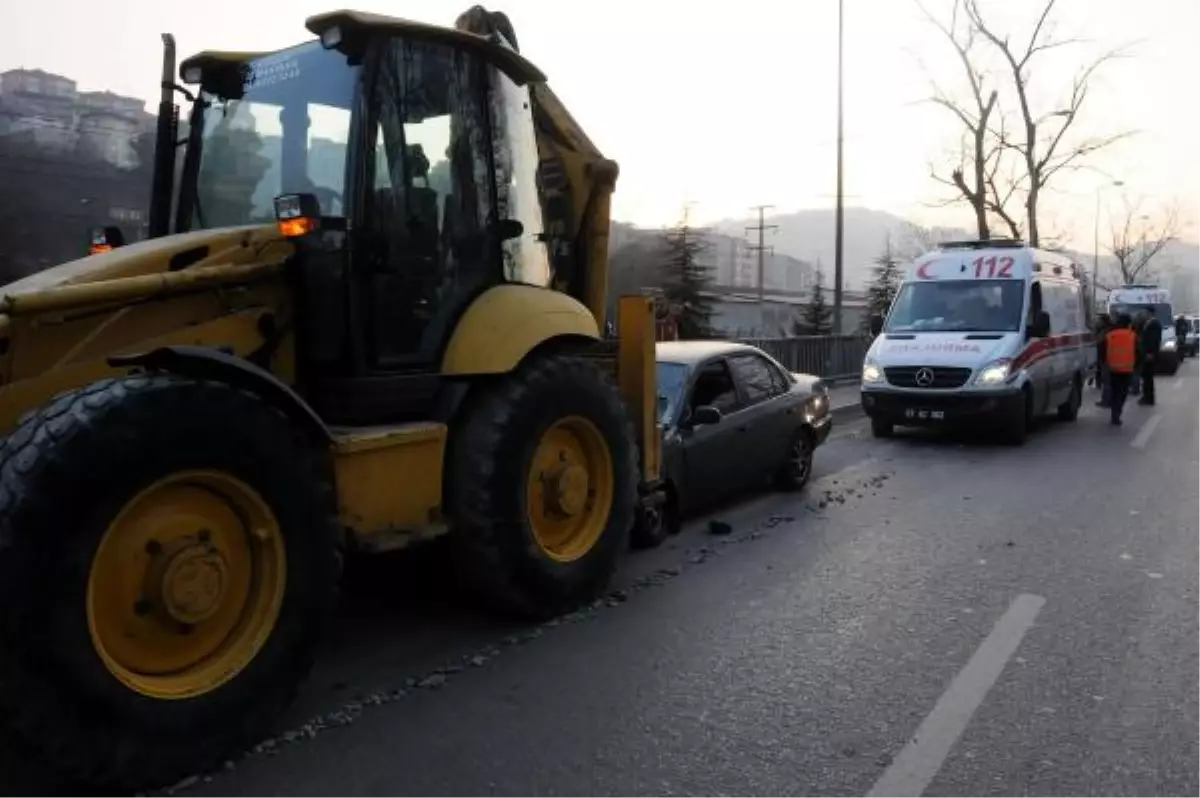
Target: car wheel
796,470
1069,410
1016,428
882,429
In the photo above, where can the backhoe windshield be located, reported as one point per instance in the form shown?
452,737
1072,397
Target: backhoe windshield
287,132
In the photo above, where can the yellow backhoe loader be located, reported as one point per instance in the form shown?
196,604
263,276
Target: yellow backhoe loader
369,313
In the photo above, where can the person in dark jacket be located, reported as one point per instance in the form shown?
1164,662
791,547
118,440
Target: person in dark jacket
1103,325
1181,331
1150,342
1135,379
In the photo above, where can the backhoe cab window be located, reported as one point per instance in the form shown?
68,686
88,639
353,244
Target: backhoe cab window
287,132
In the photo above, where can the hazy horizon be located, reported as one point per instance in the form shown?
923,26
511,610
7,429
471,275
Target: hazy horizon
731,110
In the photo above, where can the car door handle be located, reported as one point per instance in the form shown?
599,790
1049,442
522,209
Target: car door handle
743,428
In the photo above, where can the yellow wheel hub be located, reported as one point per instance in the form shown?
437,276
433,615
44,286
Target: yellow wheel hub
569,494
186,585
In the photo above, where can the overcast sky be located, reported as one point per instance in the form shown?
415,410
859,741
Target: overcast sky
733,104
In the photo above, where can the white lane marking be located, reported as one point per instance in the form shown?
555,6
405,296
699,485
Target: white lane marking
1143,436
922,758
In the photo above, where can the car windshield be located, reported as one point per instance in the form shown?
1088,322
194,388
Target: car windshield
671,377
284,130
958,306
1161,311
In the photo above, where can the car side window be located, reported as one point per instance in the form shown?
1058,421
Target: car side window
714,387
779,380
753,373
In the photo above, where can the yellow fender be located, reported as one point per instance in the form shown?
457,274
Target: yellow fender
507,322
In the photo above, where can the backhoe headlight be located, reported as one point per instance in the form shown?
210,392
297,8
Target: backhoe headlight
872,373
994,373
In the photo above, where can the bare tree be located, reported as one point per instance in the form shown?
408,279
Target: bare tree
979,155
1041,143
1136,241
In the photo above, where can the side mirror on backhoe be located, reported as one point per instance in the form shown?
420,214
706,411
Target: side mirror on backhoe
507,229
297,214
105,239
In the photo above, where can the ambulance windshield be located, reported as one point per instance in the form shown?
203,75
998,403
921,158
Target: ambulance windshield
1160,311
958,306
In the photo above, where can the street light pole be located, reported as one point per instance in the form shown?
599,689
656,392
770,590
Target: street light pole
837,217
1096,239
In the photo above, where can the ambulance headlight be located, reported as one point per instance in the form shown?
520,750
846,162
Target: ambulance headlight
994,373
872,373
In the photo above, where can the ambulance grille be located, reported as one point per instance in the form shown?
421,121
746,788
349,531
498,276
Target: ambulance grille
942,376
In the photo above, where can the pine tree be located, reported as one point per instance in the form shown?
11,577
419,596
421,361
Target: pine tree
884,285
817,316
685,279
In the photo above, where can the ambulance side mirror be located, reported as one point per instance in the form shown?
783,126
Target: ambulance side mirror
876,324
1039,327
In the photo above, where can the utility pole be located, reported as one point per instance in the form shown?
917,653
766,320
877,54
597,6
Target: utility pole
837,223
761,249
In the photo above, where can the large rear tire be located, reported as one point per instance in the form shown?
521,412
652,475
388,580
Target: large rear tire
169,552
543,487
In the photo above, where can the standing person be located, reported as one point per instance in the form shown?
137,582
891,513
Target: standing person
1135,382
1181,331
1103,325
1149,342
1120,355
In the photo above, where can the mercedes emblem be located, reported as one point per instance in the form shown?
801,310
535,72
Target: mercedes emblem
924,377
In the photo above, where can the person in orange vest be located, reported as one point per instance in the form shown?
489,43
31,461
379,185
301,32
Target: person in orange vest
1120,354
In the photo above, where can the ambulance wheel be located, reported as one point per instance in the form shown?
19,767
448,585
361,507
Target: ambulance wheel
1069,410
881,428
1016,428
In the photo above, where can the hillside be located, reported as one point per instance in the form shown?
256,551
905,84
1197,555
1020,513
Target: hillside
809,235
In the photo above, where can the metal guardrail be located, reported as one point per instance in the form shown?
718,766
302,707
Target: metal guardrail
829,356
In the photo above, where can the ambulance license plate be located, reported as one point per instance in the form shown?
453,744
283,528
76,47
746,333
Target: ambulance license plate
932,415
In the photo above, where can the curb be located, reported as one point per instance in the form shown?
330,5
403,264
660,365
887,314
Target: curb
846,412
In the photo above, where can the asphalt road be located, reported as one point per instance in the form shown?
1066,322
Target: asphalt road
934,615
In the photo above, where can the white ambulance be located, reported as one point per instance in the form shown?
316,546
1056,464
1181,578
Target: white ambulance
991,333
1135,299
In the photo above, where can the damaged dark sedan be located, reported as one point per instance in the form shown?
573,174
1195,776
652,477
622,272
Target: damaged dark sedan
732,417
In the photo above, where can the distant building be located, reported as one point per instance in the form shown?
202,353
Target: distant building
735,264
57,117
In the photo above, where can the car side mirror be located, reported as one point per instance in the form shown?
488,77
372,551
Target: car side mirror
704,415
1039,328
876,324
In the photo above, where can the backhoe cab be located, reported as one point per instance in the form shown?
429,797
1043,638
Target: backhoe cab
368,314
